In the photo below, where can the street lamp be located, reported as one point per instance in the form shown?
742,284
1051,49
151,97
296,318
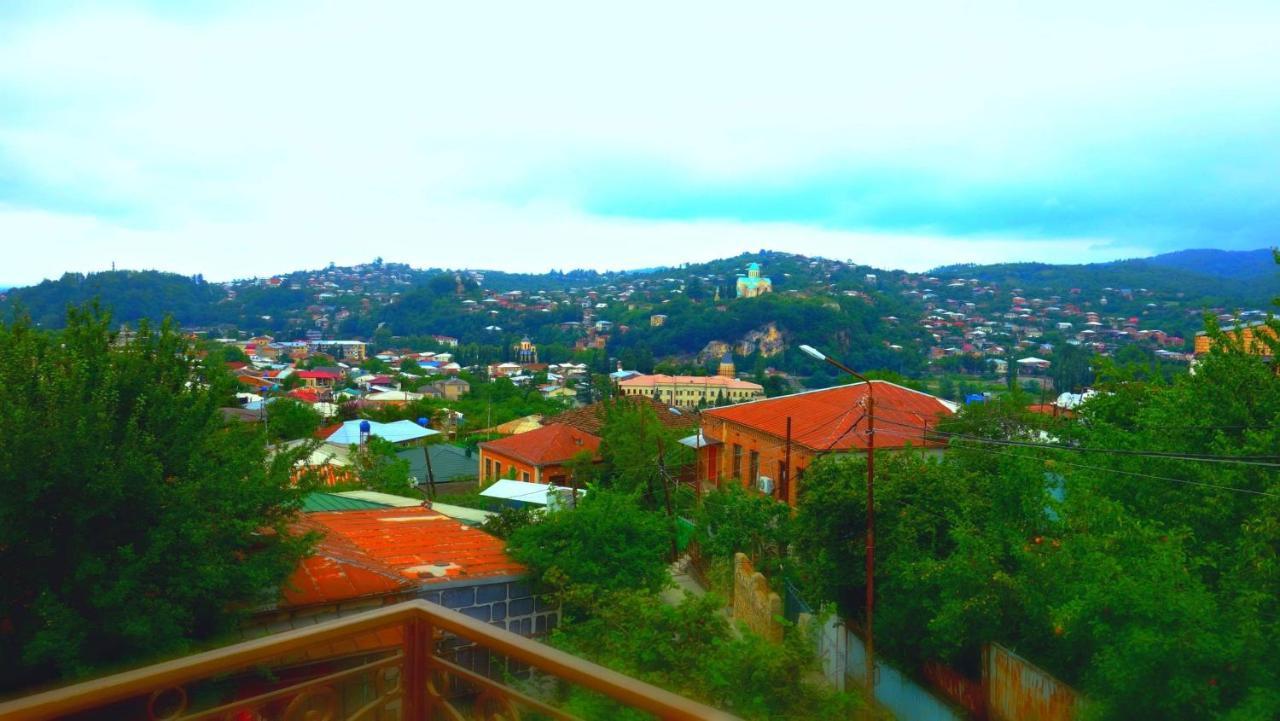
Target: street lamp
871,509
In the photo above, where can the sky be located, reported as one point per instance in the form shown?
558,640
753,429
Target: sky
247,138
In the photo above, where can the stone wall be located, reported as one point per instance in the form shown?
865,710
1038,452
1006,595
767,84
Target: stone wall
753,602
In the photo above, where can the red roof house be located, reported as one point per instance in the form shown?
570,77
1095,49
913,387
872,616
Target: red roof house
538,456
369,558
747,441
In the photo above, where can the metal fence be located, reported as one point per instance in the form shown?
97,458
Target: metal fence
792,604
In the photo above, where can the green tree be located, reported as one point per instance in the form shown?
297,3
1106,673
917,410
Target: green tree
1071,368
288,419
627,545
732,519
378,468
134,520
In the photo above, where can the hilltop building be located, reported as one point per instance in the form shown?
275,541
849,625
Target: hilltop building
753,284
526,351
726,369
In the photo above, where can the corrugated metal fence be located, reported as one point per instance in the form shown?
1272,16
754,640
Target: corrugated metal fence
1018,690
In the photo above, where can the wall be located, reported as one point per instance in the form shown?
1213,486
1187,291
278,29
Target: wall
537,474
753,603
1020,691
506,602
772,452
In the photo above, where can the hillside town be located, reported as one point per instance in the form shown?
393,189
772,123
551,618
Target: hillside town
403,361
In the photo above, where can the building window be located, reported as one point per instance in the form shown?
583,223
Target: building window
737,461
755,466
497,469
488,469
524,477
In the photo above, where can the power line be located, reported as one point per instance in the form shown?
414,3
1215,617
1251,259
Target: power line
1265,461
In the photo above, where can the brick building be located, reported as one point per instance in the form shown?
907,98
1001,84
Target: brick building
538,456
749,442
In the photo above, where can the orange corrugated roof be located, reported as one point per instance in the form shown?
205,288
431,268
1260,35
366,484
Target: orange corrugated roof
555,443
1050,409
391,550
327,474
591,418
823,420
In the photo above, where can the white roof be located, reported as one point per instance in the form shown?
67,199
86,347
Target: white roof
1032,360
397,432
698,440
535,493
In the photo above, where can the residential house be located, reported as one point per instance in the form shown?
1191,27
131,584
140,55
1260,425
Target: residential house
371,557
538,456
750,442
1252,336
400,433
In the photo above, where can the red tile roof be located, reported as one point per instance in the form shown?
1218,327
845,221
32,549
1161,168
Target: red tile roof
320,375
591,418
550,444
390,551
825,419
306,395
1050,409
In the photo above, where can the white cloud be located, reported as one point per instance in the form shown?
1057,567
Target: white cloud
534,238
326,127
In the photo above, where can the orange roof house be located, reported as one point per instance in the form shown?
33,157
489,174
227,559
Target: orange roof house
369,558
748,441
538,456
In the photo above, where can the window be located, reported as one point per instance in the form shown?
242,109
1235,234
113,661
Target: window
524,477
737,461
497,469
488,469
755,466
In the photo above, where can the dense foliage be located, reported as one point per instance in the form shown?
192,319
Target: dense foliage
608,543
1149,581
691,649
134,520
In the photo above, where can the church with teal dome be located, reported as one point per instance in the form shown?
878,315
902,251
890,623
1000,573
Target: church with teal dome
752,284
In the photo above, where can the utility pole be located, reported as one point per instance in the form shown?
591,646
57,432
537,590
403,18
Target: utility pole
785,481
870,404
666,493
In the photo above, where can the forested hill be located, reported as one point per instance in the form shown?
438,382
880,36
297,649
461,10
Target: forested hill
132,295
1208,278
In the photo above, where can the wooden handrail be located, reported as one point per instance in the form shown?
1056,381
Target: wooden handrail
110,689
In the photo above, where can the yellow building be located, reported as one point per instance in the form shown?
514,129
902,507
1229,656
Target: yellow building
1252,335
691,391
526,351
753,285
727,369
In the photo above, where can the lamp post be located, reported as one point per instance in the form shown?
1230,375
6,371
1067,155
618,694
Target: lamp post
871,509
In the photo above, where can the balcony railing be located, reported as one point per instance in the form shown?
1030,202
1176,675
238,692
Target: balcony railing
414,660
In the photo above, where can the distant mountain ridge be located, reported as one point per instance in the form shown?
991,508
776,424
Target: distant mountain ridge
1217,263
1195,275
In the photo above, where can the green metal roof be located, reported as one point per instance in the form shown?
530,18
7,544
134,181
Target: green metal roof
319,501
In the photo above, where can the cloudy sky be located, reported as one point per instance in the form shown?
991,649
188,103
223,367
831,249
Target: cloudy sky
247,138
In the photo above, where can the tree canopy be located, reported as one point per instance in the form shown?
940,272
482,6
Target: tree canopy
134,520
